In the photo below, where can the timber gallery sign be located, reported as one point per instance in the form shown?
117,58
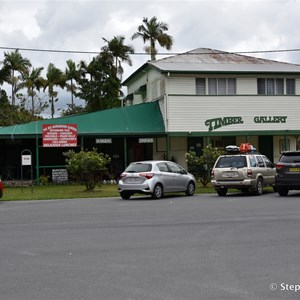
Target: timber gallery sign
59,135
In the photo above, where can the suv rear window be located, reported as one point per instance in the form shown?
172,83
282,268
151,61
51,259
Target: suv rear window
231,162
290,158
136,168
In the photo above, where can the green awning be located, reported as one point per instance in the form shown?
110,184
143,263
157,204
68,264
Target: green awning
137,119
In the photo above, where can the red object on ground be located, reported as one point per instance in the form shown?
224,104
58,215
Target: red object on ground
1,188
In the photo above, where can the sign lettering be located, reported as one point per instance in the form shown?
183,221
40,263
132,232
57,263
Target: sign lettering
59,135
103,141
270,119
216,123
146,140
220,122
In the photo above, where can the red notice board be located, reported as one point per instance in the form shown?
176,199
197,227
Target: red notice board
59,135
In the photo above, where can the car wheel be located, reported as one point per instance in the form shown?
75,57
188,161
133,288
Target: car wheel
157,192
190,189
282,191
222,192
259,188
125,195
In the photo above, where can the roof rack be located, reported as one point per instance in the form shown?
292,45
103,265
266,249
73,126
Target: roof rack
244,148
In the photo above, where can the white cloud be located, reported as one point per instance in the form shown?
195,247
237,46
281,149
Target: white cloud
19,17
79,25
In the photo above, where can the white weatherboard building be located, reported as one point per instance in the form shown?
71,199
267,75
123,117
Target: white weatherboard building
208,96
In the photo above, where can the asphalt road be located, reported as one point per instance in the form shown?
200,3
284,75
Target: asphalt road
201,247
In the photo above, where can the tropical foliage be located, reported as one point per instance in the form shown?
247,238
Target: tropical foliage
119,51
13,114
97,82
17,66
201,165
154,31
55,77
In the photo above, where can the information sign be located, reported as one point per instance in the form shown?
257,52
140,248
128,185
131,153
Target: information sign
59,135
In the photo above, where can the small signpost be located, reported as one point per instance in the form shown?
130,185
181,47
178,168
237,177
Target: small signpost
26,161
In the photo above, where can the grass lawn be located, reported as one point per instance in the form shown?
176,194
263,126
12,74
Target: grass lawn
68,191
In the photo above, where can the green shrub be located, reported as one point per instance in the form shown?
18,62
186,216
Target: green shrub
201,165
87,166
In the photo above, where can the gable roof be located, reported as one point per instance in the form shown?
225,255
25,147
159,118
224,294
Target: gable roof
138,119
204,60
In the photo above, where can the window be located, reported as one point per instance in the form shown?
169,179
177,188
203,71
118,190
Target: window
231,85
174,168
162,167
267,162
212,86
216,86
260,161
253,162
275,86
290,87
284,145
232,162
200,86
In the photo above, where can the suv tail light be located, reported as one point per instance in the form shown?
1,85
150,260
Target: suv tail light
147,175
249,172
279,166
212,174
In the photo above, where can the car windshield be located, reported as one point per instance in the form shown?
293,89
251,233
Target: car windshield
231,162
138,167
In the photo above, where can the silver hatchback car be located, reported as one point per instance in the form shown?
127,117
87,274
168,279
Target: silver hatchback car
155,178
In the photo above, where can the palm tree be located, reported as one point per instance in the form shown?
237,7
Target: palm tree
4,74
72,74
154,31
15,62
55,77
32,80
119,51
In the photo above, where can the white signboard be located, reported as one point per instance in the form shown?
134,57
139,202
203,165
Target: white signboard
146,140
103,141
26,160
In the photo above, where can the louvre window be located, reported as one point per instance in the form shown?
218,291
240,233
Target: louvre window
200,86
216,86
212,86
290,87
275,86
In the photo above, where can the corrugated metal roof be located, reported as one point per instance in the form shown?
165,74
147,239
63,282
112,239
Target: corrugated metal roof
204,60
209,60
138,119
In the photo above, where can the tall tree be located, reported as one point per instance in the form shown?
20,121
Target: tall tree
4,77
154,31
119,51
101,88
4,74
15,62
72,75
55,77
33,80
